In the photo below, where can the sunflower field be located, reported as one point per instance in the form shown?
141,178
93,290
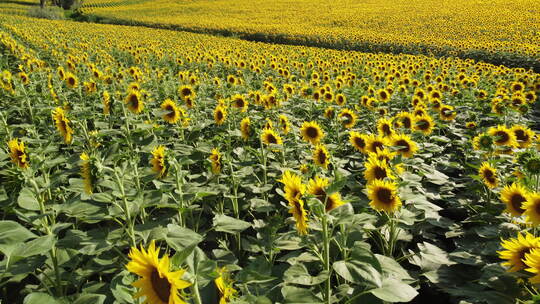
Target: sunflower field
161,166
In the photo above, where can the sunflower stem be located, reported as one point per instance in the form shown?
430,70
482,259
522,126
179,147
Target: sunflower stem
129,221
196,294
326,258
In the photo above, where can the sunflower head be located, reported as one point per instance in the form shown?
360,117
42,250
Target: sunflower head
317,187
88,172
358,141
447,112
374,143
383,196
532,208
158,161
321,157
348,118
224,285
516,249
503,136
220,114
524,136
157,283
245,128
294,189
186,91
404,145
215,159
514,196
284,124
311,132
488,174
483,141
239,102
424,124
376,169
384,126
134,101
172,113
17,152
62,125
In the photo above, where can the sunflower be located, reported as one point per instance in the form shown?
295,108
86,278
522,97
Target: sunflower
383,95
384,155
470,125
482,141
321,156
86,173
318,187
215,158
134,101
383,196
284,124
374,143
488,174
71,80
239,102
340,99
311,132
245,128
517,86
224,285
268,124
269,136
377,169
294,189
405,146
62,125
447,112
524,136
173,113
220,114
532,261
424,124
17,153
347,118
157,284
532,208
503,136
516,249
106,103
514,196
384,126
329,113
186,92
358,141
406,119
158,161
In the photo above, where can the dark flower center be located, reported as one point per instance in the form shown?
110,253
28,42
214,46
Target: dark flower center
517,200
405,147
503,137
161,286
384,195
379,172
312,132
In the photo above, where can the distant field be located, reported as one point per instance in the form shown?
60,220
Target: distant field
466,28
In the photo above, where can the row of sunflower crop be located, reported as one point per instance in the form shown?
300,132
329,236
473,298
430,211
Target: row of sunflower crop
262,173
501,32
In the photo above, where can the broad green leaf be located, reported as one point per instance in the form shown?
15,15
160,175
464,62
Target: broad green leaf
298,274
90,299
394,291
27,200
229,224
299,295
12,232
39,298
37,246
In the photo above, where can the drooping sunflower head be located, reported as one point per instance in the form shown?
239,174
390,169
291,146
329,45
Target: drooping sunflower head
321,157
329,113
483,141
376,169
293,187
220,114
284,124
172,113
384,126
503,136
157,284
404,145
17,152
106,103
269,136
488,174
62,125
524,135
87,173
514,196
516,249
224,285
215,159
134,101
158,161
245,128
347,118
374,143
383,196
311,132
532,208
358,141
